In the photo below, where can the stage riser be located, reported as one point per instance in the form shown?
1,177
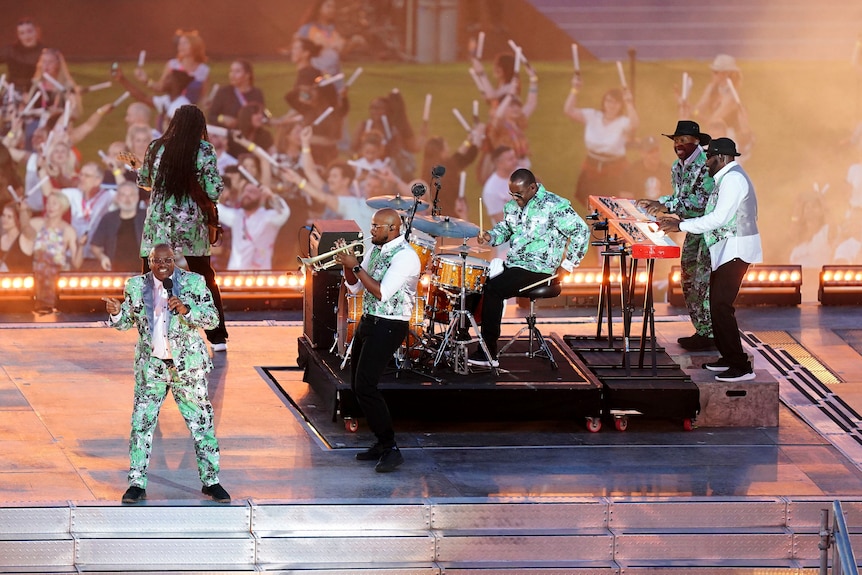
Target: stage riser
601,535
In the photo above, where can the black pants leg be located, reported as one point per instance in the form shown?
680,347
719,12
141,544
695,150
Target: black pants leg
496,291
374,344
201,265
724,286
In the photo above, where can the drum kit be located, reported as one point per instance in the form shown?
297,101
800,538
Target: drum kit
449,274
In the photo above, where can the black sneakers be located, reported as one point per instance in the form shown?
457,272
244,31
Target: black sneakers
719,365
373,453
736,374
134,494
478,357
389,461
217,492
696,342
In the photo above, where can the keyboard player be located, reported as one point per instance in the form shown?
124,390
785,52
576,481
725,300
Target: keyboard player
692,187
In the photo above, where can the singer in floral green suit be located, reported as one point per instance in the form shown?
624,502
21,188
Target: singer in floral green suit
169,306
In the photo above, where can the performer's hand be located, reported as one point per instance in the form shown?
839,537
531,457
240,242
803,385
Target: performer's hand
668,224
305,136
483,238
112,306
652,207
174,304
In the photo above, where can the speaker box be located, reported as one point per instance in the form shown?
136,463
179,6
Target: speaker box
324,234
320,307
320,298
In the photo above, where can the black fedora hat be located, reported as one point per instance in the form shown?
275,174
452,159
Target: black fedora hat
689,128
722,147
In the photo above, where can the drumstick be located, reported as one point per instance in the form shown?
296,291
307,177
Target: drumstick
461,119
621,74
323,116
733,92
480,44
538,283
353,76
481,227
426,112
330,80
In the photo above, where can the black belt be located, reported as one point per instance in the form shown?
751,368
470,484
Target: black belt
375,319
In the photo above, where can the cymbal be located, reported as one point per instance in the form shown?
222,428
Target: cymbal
446,226
464,249
395,202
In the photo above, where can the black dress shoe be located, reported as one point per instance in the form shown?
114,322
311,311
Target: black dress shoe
217,492
389,461
134,494
373,453
696,342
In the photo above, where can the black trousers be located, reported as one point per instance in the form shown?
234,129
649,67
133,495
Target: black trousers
724,286
496,291
375,342
201,265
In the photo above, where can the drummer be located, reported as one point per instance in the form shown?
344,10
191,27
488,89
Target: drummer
389,276
546,237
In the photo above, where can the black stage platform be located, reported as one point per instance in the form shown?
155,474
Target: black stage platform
524,389
648,384
592,382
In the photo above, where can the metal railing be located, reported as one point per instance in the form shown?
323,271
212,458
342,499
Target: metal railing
837,538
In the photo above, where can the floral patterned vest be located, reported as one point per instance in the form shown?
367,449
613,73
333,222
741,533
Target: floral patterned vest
401,302
744,221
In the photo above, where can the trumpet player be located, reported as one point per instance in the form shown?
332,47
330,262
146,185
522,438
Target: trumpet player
388,275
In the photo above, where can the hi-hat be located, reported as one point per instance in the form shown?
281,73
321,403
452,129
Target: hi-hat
446,226
401,203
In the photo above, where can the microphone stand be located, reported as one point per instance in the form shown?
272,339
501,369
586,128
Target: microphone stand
435,208
410,218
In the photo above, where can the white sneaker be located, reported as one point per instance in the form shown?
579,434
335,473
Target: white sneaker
219,346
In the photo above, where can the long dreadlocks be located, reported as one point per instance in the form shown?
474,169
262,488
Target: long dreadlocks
178,165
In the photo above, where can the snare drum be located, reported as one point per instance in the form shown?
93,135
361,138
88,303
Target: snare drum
446,270
423,245
349,314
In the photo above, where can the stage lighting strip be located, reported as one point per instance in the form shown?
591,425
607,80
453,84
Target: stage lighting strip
809,396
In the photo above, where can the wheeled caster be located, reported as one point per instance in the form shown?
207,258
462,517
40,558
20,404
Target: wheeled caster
687,424
351,425
621,423
594,424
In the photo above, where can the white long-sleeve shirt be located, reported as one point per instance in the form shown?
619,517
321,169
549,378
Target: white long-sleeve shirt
733,189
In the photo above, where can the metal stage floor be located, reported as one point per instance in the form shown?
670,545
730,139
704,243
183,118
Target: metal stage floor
66,395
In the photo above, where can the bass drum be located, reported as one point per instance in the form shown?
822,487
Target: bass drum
349,314
438,307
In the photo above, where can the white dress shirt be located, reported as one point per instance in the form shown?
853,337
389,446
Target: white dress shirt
733,189
161,320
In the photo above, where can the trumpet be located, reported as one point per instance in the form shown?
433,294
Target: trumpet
315,263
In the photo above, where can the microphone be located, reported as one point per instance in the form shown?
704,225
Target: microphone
169,286
438,171
418,189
